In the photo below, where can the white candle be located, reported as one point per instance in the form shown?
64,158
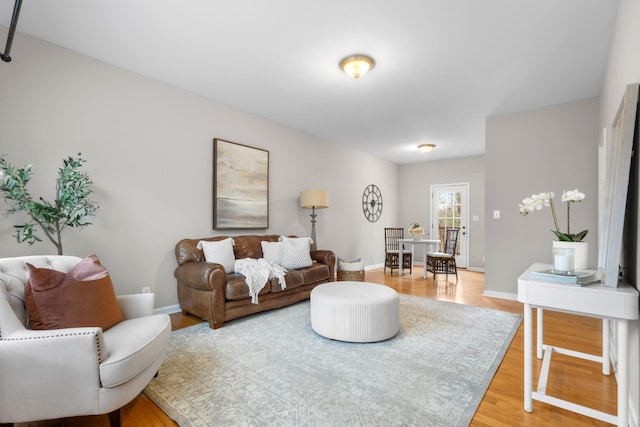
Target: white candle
563,260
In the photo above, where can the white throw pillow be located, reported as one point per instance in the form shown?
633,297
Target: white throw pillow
296,252
355,265
272,251
220,251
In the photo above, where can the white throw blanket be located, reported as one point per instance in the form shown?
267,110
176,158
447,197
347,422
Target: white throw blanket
257,272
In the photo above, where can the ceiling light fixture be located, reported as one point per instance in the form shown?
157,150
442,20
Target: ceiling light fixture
357,65
426,148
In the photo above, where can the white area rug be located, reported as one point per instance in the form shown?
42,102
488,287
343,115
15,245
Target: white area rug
272,369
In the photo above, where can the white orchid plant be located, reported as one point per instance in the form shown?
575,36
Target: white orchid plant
539,201
415,229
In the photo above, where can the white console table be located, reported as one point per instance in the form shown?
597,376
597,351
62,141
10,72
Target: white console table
620,304
426,242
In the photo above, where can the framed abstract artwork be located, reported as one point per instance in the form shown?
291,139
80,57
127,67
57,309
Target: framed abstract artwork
240,186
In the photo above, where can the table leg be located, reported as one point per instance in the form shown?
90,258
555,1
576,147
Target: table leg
540,332
528,362
424,260
606,346
400,259
623,373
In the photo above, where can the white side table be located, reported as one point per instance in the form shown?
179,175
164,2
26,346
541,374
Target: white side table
620,304
427,243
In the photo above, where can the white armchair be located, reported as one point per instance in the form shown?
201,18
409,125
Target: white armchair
49,374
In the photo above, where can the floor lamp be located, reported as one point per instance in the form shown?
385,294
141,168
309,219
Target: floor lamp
314,199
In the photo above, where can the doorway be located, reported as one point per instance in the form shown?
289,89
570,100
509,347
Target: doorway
449,208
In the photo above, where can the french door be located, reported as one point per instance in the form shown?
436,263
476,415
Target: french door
449,208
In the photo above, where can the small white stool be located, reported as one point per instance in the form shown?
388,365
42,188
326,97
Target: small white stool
355,311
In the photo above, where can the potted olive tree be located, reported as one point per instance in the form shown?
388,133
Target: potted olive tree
71,207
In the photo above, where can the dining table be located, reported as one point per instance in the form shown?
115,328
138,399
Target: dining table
427,243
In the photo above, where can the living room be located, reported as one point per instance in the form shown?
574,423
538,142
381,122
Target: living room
149,150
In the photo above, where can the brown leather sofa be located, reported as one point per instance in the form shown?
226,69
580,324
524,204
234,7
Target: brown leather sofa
206,291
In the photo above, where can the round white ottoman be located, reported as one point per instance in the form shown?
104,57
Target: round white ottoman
355,311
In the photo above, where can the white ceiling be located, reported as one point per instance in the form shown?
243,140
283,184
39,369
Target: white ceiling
442,66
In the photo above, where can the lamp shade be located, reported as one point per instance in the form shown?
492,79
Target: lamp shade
318,199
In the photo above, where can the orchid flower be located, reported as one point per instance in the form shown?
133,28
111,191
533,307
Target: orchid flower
539,201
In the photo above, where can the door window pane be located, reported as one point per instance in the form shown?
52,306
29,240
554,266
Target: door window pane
449,214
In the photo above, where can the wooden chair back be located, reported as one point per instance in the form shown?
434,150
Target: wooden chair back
451,241
391,237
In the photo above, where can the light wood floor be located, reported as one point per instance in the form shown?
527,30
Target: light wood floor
573,379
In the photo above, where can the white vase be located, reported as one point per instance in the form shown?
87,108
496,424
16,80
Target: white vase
417,236
581,252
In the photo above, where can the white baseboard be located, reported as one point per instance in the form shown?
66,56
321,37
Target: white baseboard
501,295
168,309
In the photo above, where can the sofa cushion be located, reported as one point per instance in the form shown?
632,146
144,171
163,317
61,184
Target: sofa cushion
293,278
296,252
219,252
13,302
12,290
249,246
316,273
83,296
236,288
128,354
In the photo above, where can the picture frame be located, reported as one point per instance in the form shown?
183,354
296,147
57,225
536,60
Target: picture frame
240,186
618,162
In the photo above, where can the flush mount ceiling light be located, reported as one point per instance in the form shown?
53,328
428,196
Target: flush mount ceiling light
357,65
426,148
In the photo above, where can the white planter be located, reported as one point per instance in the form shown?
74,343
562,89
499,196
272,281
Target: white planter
581,252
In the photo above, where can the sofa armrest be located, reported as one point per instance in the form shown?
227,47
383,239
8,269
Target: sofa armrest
136,305
326,257
42,369
81,342
199,280
50,359
201,275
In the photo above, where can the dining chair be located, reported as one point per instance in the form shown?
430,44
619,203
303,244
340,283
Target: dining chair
392,235
445,261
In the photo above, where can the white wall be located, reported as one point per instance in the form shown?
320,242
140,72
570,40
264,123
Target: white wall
547,149
415,186
623,68
149,151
